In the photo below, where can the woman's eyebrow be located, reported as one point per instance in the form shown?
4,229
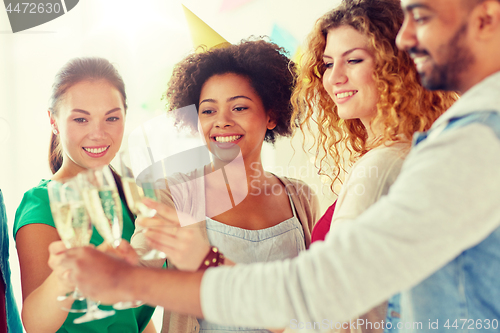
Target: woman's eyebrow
88,113
211,100
236,97
208,100
346,52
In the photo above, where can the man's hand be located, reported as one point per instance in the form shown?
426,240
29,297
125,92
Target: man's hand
124,251
97,275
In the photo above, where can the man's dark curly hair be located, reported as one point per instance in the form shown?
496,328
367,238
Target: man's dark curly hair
271,73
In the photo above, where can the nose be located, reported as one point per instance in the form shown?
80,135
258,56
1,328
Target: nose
336,74
224,119
97,131
406,38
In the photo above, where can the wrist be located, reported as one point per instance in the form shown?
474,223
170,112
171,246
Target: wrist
59,284
213,258
130,289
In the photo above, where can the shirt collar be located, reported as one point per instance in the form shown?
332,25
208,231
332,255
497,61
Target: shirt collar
484,96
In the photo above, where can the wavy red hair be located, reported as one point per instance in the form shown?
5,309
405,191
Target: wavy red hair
404,106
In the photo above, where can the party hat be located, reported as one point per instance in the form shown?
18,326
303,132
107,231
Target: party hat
202,33
297,57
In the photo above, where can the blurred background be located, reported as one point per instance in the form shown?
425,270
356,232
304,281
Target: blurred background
144,39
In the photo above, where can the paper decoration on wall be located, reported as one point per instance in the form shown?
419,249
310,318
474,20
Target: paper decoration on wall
284,39
228,5
25,15
202,33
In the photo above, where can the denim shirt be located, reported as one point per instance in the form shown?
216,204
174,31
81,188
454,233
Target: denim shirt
466,289
13,321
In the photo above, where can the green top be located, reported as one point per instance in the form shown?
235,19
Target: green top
35,208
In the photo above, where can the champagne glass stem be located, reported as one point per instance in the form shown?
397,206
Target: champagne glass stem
93,313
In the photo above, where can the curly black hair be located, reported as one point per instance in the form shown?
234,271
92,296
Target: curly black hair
271,73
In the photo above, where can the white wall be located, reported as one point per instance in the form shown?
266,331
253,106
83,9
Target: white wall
144,39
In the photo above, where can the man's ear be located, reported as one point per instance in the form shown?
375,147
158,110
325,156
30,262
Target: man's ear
487,19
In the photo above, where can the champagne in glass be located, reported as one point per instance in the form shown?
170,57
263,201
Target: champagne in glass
103,203
73,225
135,192
61,213
134,195
71,220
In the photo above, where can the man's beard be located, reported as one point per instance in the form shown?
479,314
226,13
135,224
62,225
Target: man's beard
458,60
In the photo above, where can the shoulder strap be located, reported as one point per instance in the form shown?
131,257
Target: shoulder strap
490,119
306,204
486,118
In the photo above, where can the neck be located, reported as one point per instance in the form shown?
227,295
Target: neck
476,78
238,169
67,171
485,63
374,131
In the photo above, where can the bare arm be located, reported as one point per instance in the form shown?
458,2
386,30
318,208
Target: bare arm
111,279
150,328
41,311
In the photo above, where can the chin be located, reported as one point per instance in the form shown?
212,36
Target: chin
98,164
344,116
227,155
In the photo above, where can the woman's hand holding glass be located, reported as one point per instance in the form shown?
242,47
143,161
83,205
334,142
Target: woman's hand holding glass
73,225
135,191
98,271
104,205
185,247
61,273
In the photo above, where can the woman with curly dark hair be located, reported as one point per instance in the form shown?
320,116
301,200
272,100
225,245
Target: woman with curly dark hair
366,100
242,97
266,66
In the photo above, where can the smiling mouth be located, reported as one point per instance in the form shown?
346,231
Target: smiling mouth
225,139
96,150
420,60
346,94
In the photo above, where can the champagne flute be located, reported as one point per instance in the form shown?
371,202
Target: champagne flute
135,192
74,227
104,205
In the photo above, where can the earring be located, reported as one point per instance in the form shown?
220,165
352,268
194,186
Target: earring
55,131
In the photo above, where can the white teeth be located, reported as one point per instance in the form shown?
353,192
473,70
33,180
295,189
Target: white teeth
420,60
96,150
345,94
227,138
